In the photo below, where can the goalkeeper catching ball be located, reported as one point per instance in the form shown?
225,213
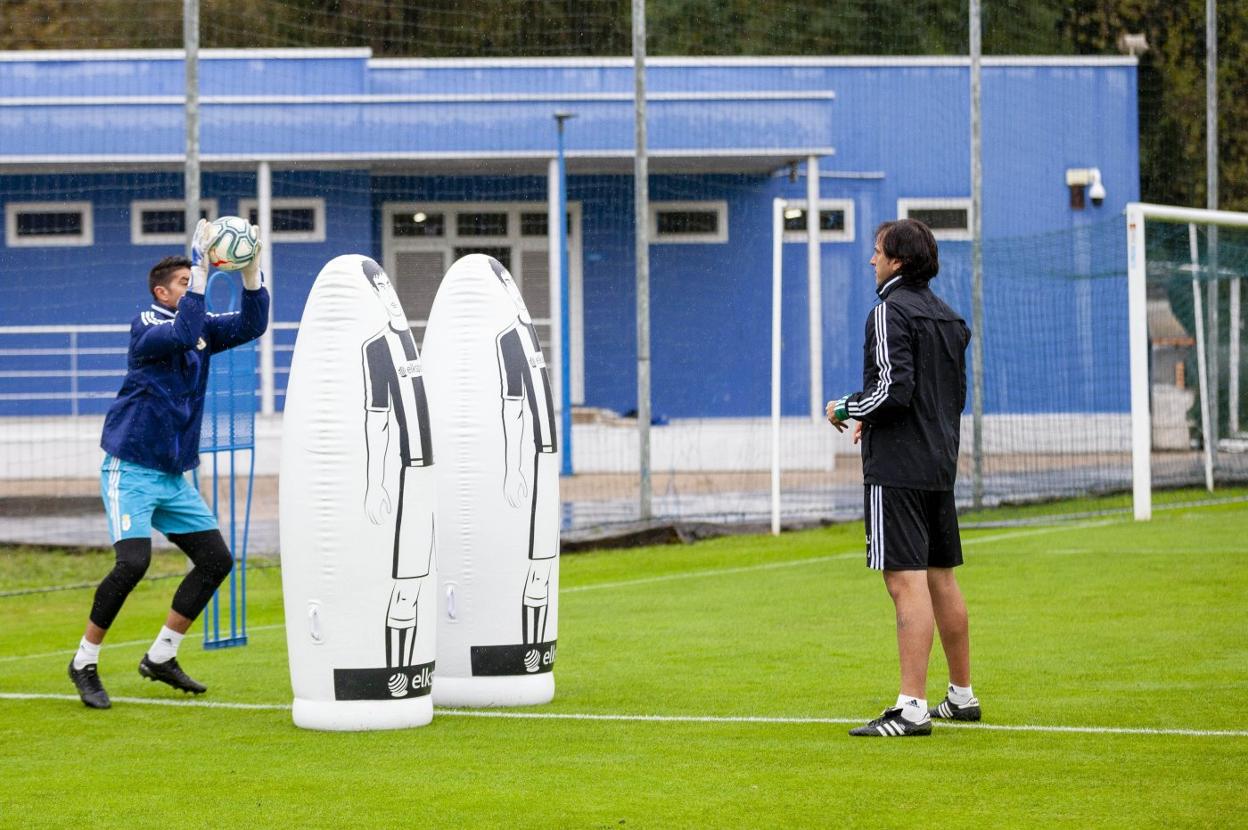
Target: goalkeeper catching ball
150,440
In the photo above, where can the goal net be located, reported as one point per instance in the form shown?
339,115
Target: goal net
1185,277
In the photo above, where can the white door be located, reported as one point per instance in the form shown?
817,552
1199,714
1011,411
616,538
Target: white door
421,239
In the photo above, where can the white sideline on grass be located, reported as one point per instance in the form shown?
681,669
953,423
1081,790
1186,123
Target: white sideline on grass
578,716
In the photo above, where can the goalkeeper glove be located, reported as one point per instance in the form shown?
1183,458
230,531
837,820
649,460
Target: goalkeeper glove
251,271
841,411
199,256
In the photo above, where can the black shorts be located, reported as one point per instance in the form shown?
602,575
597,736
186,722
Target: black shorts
911,530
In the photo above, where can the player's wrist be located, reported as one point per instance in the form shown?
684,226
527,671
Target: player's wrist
840,409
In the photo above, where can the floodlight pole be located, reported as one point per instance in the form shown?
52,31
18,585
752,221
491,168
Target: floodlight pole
190,44
977,267
641,223
558,235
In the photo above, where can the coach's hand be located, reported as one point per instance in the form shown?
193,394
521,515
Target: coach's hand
837,414
251,271
199,260
857,432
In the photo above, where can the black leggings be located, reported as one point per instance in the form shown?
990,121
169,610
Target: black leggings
208,553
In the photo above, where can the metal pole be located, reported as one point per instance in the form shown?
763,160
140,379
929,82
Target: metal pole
977,268
1202,357
1137,335
565,351
814,289
190,43
641,221
264,217
1211,194
555,357
777,239
1233,379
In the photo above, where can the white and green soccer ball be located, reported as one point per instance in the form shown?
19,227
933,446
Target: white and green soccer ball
233,244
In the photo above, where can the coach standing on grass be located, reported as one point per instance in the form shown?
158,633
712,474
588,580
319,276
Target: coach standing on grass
909,413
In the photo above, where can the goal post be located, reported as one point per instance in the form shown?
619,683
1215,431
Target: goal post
1138,215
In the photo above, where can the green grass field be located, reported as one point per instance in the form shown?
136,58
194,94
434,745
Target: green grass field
702,686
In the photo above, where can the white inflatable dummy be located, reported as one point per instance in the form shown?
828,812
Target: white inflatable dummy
357,501
498,481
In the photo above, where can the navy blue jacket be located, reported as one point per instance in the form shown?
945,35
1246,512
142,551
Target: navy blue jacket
913,389
156,418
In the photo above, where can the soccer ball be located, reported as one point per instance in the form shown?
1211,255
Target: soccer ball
233,244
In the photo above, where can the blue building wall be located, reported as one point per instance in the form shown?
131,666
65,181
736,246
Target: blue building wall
899,130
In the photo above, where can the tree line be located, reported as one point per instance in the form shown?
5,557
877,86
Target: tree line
1171,73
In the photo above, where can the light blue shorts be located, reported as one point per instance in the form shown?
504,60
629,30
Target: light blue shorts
138,498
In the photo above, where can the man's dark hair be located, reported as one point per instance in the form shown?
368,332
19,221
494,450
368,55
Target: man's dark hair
910,241
163,271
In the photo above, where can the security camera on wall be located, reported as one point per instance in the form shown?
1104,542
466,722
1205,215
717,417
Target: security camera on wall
1085,180
1097,191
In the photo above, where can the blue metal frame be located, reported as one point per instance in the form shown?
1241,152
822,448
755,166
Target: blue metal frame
565,341
225,389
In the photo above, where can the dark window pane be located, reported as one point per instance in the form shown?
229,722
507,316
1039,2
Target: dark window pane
795,220
50,223
534,224
154,221
673,222
502,254
418,224
832,220
829,220
162,221
294,220
288,219
481,224
942,219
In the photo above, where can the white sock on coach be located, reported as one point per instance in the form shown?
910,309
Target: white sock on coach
166,646
961,695
88,653
913,709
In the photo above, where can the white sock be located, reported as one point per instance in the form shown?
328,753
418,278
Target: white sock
961,695
913,709
88,653
166,646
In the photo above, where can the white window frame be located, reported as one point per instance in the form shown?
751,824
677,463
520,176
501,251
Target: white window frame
451,239
720,207
846,235
137,237
12,240
904,206
317,234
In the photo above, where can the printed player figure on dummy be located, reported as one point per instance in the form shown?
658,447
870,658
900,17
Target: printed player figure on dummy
393,386
528,406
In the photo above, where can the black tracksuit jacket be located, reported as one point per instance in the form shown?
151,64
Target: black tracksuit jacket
914,389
